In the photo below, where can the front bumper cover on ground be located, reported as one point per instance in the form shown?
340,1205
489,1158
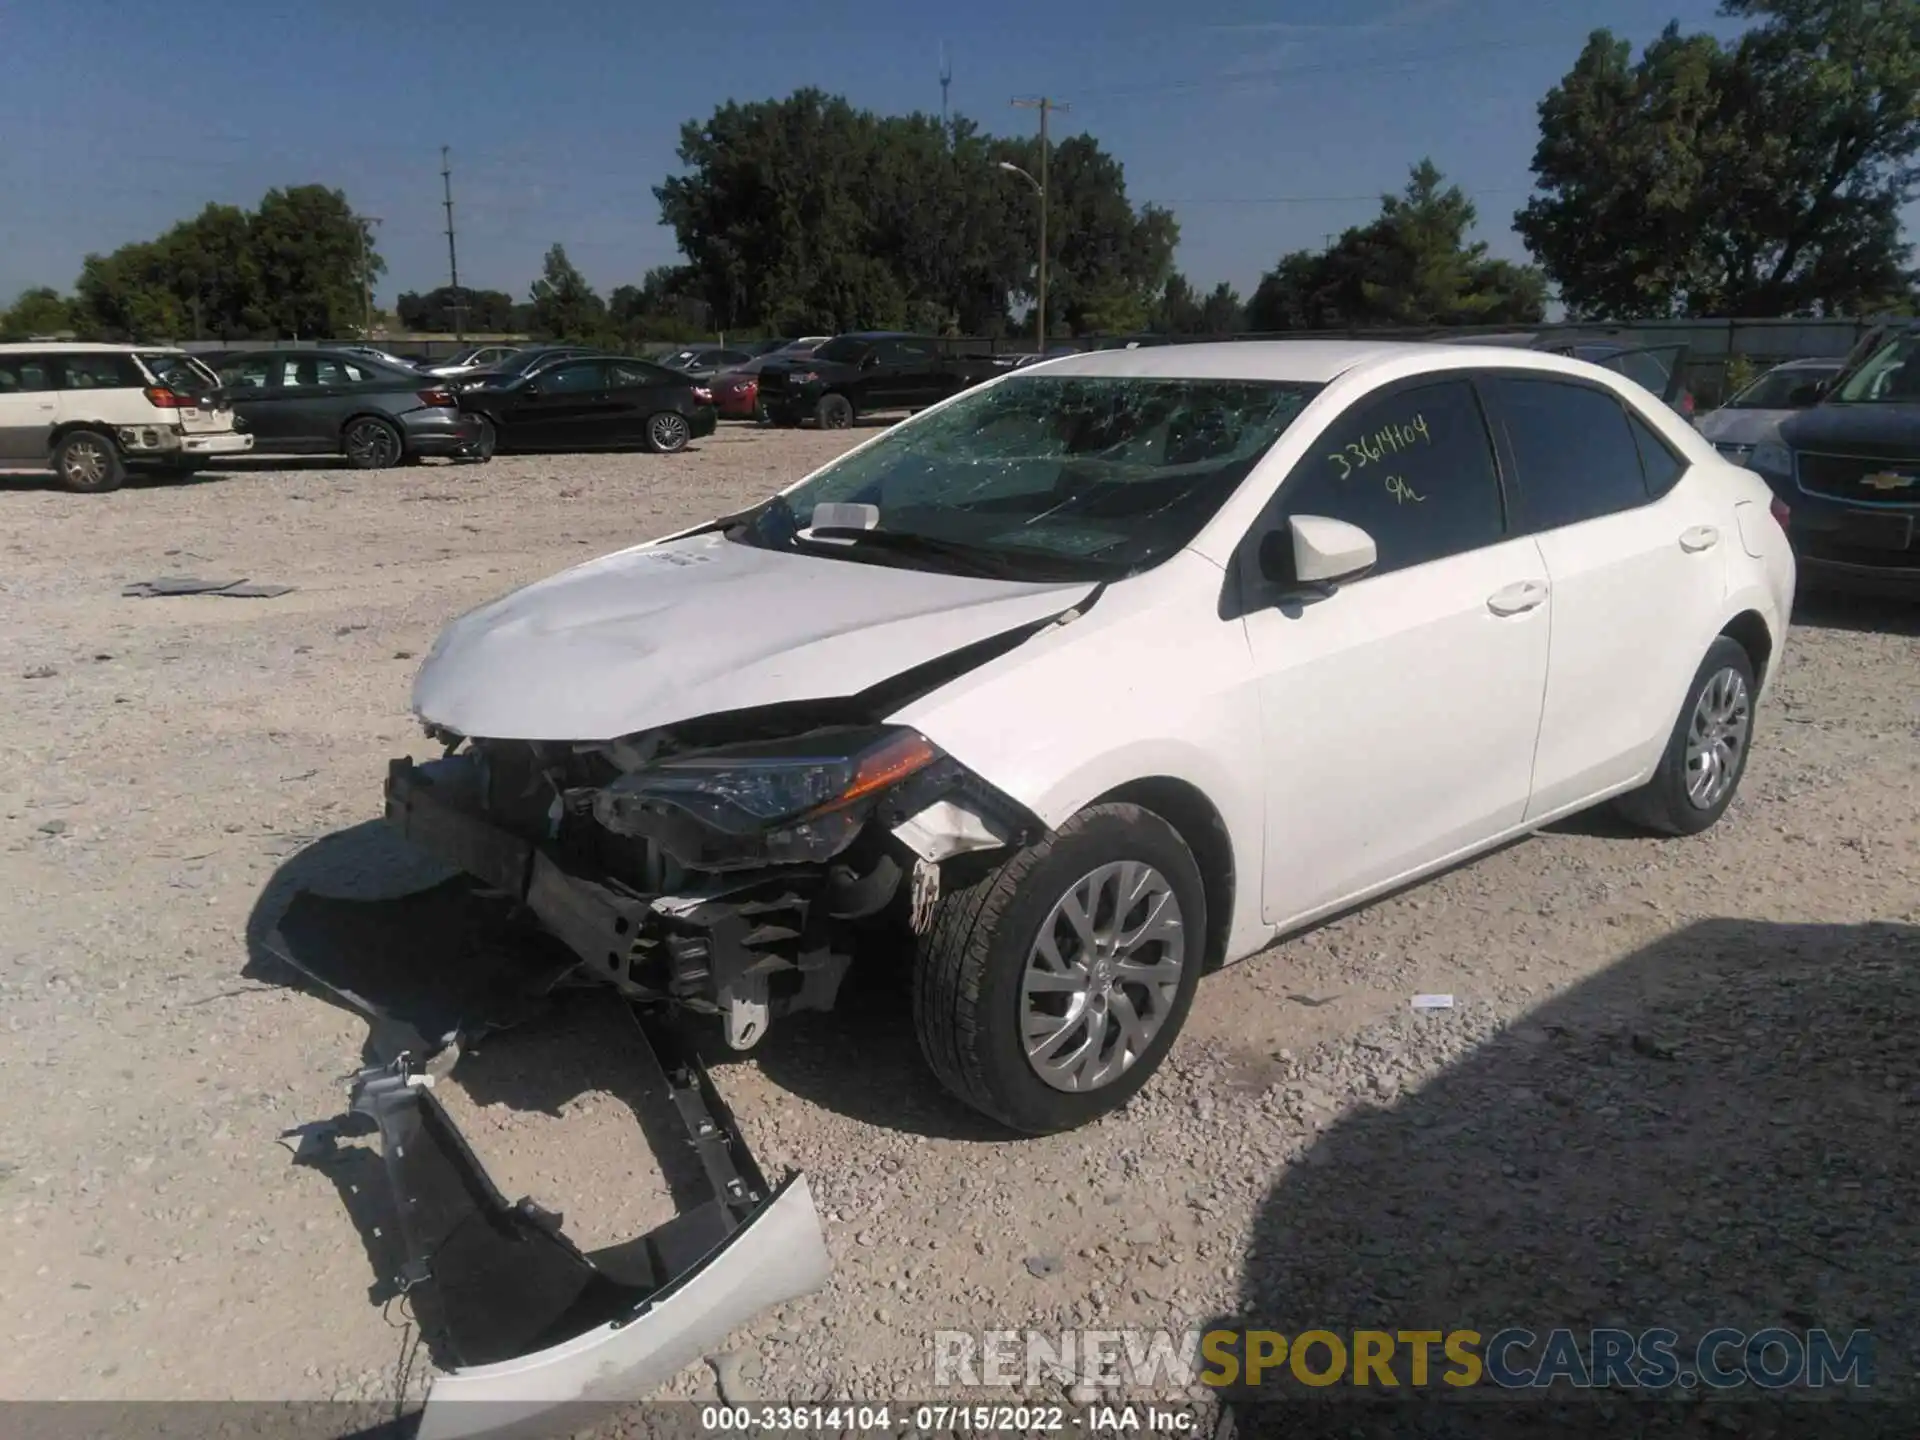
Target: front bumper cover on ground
542,1335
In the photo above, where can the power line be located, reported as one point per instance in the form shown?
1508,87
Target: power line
1319,199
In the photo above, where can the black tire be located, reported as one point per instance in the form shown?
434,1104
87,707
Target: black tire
88,462
481,451
370,443
668,432
834,412
968,1006
1668,804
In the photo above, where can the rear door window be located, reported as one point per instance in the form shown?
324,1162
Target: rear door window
1575,455
1414,469
246,376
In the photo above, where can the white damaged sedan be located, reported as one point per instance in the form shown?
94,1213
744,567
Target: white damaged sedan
1101,674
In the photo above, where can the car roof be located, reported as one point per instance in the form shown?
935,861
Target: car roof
86,347
1306,362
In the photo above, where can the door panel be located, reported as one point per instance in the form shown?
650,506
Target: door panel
1636,582
29,406
1400,716
572,409
1400,713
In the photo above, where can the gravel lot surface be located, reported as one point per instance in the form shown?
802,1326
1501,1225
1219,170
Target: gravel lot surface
1673,1090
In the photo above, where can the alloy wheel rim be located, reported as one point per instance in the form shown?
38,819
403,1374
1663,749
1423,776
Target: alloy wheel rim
1717,738
86,462
1102,976
669,431
372,443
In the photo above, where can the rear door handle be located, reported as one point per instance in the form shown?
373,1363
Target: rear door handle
1700,537
1518,598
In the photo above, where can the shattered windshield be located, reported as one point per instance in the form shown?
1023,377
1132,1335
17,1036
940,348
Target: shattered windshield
1051,474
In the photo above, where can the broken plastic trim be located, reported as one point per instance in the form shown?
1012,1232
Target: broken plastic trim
539,1326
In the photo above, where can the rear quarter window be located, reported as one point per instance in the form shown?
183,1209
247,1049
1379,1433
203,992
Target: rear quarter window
25,374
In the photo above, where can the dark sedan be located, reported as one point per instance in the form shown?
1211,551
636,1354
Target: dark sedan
596,402
520,362
330,402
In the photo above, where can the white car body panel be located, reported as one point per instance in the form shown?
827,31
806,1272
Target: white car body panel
780,1256
1407,722
666,632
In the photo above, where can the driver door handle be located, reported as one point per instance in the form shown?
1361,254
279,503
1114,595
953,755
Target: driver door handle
1700,537
1518,598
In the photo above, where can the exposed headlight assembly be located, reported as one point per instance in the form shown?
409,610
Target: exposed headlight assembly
779,802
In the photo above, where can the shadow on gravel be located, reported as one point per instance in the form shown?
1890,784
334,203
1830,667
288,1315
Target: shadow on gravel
1715,1132
27,480
1823,610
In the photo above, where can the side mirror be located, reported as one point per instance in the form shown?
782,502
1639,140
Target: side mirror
1316,552
869,361
532,387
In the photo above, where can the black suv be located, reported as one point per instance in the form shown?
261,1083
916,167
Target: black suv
1848,468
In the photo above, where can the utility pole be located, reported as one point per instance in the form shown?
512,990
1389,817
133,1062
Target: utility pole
361,222
946,79
1045,106
453,259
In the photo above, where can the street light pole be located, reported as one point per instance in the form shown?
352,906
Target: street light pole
366,274
1045,106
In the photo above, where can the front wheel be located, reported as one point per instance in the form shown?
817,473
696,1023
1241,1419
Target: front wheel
834,412
1050,989
371,444
668,432
1706,753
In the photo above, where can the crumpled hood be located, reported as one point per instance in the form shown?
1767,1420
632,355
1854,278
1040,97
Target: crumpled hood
701,625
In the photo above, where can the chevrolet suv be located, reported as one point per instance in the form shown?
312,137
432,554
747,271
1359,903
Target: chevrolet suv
90,413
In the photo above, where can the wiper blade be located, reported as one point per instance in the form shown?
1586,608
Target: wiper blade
979,559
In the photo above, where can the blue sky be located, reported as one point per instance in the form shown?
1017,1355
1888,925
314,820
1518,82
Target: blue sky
1264,126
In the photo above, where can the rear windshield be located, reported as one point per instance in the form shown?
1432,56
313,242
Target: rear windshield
179,372
1049,473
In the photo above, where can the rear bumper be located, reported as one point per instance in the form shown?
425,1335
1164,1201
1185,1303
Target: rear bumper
166,442
440,432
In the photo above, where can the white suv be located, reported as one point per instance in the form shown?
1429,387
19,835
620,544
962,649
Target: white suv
89,412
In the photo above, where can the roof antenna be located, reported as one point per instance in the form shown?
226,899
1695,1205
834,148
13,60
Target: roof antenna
946,79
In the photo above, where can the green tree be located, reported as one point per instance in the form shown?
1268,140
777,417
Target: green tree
805,215
1412,266
292,268
1759,176
308,244
437,311
565,306
39,311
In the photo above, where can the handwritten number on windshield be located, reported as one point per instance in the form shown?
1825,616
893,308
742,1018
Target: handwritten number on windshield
1391,439
1401,491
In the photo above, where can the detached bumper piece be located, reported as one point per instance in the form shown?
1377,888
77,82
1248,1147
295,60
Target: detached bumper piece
548,1335
544,1335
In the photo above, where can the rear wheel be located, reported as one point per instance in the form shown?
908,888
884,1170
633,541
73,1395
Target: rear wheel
1051,988
667,432
88,463
1706,754
834,412
371,444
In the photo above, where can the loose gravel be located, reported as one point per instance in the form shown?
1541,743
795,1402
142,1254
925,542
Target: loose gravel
1672,1090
